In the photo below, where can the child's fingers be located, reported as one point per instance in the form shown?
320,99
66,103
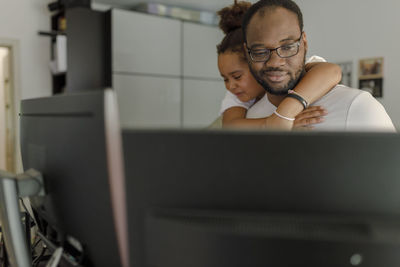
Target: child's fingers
311,113
307,121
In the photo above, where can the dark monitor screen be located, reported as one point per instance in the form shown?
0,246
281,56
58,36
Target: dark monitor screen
64,138
199,198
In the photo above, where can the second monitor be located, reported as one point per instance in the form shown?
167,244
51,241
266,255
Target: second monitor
262,199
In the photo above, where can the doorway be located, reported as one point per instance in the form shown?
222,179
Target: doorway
7,113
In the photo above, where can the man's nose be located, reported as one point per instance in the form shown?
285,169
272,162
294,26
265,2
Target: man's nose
275,60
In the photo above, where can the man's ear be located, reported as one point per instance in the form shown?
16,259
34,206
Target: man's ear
305,41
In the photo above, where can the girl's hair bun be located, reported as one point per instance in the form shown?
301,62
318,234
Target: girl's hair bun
231,17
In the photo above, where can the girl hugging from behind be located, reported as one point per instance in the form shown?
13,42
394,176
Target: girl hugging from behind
244,91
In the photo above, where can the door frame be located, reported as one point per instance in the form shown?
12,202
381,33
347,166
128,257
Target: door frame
15,96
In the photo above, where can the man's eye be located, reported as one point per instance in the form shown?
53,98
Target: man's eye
237,77
260,53
287,47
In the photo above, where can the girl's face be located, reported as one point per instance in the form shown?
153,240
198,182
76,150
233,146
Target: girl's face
237,77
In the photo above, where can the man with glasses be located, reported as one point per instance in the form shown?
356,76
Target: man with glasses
276,48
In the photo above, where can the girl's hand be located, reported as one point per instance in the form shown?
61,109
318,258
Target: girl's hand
308,117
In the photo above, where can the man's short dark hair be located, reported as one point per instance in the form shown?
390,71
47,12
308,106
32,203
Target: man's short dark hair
263,4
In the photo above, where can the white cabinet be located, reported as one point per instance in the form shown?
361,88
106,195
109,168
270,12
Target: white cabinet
148,102
201,102
156,61
199,50
143,44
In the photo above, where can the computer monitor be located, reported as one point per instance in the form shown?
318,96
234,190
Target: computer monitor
74,140
211,198
198,198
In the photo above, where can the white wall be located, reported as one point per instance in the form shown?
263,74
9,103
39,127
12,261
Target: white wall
20,21
344,30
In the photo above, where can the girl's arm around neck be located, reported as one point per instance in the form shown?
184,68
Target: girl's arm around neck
319,79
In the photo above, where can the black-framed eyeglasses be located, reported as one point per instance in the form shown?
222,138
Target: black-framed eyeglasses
284,51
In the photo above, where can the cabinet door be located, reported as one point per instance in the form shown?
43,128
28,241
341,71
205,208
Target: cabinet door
146,44
148,102
199,50
201,102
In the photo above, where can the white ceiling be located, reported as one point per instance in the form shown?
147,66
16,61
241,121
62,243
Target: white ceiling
209,5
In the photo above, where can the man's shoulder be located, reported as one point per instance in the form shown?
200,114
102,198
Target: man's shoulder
354,109
345,91
342,95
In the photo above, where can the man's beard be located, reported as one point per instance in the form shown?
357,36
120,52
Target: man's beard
278,91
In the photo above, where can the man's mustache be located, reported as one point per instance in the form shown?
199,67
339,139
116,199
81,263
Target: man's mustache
271,69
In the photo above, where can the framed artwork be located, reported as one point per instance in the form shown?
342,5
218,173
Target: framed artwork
371,68
374,86
371,76
347,73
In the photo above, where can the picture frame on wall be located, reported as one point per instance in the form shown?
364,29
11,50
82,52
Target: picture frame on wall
347,73
371,68
371,76
373,86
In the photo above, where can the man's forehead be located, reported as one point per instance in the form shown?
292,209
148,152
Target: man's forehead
273,25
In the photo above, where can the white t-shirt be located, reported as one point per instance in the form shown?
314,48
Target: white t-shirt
348,109
230,100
